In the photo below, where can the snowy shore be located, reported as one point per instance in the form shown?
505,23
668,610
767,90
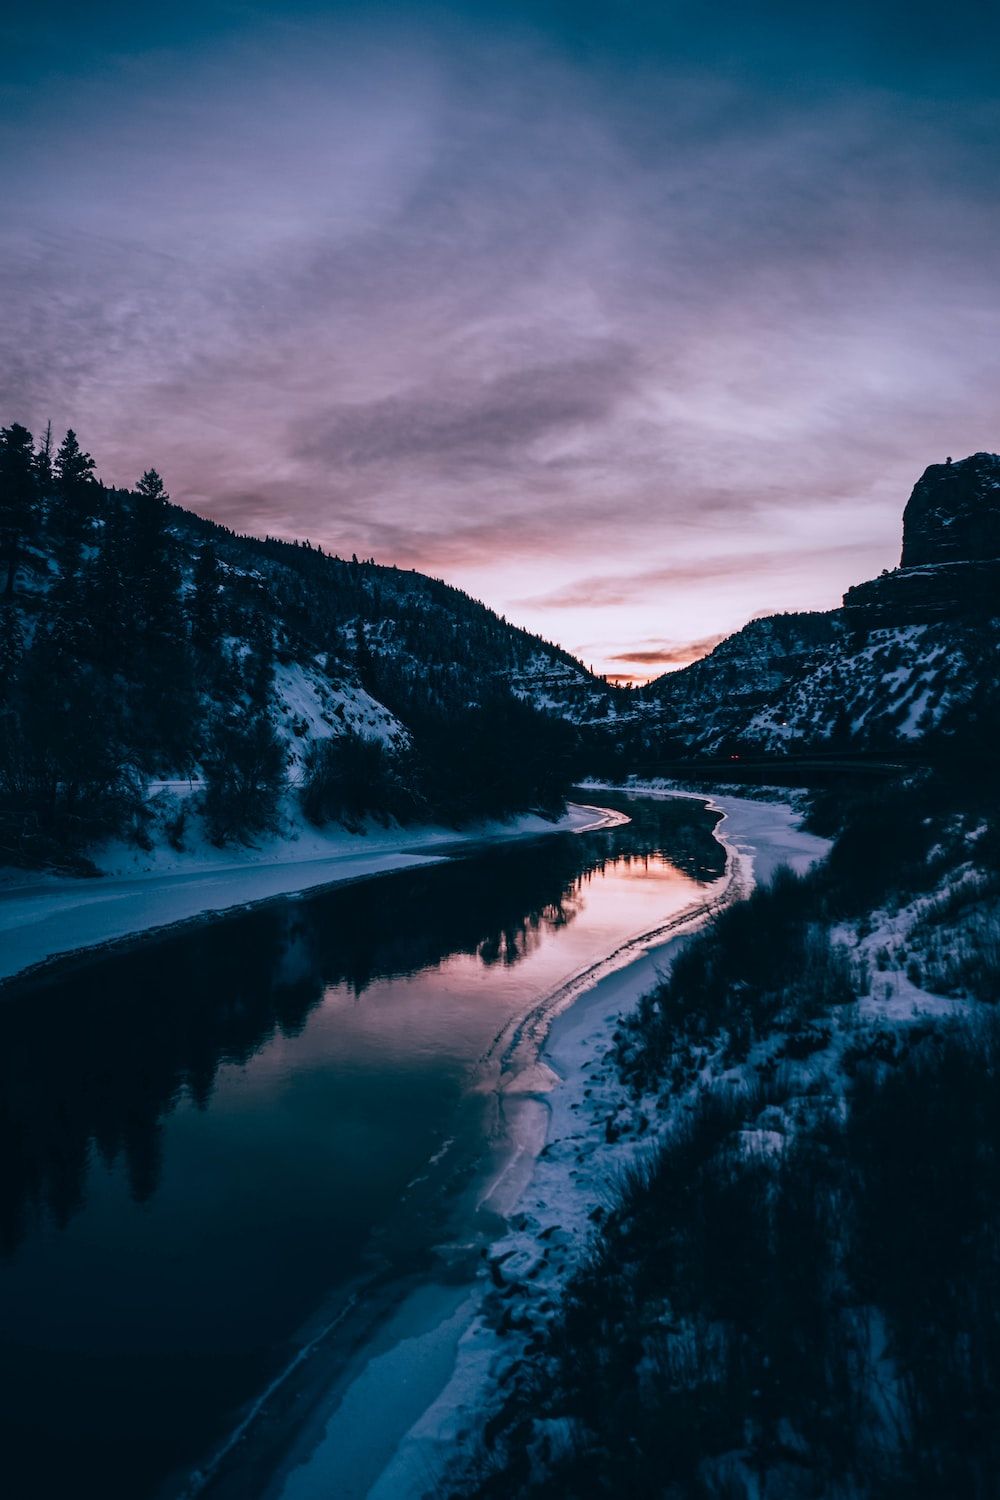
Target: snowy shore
42,917
416,1398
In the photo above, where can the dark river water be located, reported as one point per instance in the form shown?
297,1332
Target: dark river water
206,1139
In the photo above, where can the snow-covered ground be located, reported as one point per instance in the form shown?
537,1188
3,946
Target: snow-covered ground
42,917
417,1399
584,1131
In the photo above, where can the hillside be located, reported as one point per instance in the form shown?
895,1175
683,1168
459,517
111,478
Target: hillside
910,658
773,1272
163,678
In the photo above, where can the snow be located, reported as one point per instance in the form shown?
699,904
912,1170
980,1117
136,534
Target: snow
911,725
763,834
418,1349
309,707
562,1167
776,693
42,917
576,1132
895,998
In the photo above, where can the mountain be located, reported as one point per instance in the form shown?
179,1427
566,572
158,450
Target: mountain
164,679
910,658
950,565
148,654
953,515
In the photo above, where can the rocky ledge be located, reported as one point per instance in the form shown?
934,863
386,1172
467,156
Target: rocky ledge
950,564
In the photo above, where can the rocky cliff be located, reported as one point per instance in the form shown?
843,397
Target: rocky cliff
950,565
953,514
911,655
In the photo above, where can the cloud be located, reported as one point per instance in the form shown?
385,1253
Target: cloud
670,653
490,424
486,302
602,592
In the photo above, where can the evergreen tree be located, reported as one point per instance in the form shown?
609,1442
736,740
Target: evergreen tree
154,578
205,608
111,606
164,697
151,487
258,666
349,778
44,472
11,648
245,774
78,494
73,469
363,658
61,756
18,496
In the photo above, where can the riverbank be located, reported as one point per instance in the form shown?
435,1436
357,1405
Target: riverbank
43,918
815,1076
447,1352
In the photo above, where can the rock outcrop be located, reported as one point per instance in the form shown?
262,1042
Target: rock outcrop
950,566
911,655
953,514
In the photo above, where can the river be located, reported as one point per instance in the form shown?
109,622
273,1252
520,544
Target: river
228,1142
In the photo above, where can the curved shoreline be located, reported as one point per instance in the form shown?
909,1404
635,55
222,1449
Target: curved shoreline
33,916
393,1358
381,1411
403,1331
569,1159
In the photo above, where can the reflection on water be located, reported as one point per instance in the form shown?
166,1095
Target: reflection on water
198,1138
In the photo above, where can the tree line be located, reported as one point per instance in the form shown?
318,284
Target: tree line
138,640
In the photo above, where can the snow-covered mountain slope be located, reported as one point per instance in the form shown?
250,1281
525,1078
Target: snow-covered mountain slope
347,635
393,631
701,705
776,688
911,656
308,706
146,652
898,686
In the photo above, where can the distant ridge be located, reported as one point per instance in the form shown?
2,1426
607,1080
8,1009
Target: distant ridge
910,657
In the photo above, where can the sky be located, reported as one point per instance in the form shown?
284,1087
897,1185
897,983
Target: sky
636,321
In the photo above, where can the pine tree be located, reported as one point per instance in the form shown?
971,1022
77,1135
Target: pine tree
258,667
111,606
63,755
18,496
11,648
73,469
164,698
154,575
152,488
205,607
245,775
363,658
79,497
44,472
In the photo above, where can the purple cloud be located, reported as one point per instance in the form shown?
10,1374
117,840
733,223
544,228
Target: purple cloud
674,350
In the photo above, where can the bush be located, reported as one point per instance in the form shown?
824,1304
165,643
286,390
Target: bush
349,778
245,775
496,758
923,1148
819,1321
66,777
767,956
958,935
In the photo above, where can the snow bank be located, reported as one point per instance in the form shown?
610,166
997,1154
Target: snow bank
565,1158
42,917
